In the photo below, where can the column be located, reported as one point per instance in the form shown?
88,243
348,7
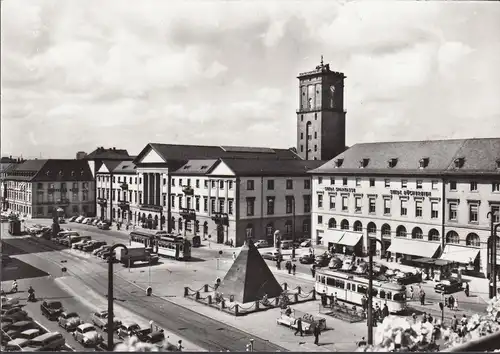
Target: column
151,189
145,186
159,189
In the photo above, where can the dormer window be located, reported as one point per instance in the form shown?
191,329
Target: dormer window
459,162
363,163
47,173
61,173
72,173
424,162
82,172
339,162
392,162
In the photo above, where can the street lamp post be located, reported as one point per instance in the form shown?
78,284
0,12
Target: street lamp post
110,291
293,228
493,253
370,288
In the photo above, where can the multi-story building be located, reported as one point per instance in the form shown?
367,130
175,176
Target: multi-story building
321,114
234,199
117,192
420,199
5,167
186,188
38,188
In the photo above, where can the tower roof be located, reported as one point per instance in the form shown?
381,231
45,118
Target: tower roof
249,278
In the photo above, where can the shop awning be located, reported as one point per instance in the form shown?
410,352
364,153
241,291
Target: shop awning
350,239
413,248
463,255
332,236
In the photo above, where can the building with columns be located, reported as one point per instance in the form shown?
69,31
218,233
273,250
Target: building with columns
37,188
178,191
421,199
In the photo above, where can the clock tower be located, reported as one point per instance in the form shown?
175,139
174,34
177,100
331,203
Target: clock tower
321,115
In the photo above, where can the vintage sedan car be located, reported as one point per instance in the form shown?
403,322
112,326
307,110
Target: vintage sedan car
335,263
72,219
19,327
87,335
51,309
69,321
100,249
16,345
100,319
8,302
30,333
408,278
16,316
261,244
272,255
307,259
448,286
322,260
306,243
128,329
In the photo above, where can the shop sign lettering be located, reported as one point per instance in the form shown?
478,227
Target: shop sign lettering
411,193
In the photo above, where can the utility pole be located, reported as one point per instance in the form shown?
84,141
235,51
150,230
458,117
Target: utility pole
370,287
293,228
110,292
493,253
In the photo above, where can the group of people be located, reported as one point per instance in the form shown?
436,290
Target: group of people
378,314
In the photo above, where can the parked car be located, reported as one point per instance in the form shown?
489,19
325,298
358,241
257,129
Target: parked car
261,244
448,286
286,244
69,321
103,225
79,219
8,302
20,326
335,263
128,329
272,255
72,219
15,344
99,319
306,243
348,265
85,221
51,309
408,278
307,259
94,222
90,221
322,260
82,244
361,268
62,221
46,342
31,333
76,245
87,335
100,249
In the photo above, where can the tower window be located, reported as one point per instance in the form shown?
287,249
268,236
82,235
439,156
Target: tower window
301,148
315,135
315,116
315,147
301,117
302,135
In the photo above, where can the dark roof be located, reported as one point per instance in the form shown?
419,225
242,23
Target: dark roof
171,152
195,167
108,154
244,167
51,170
478,156
111,165
125,167
6,167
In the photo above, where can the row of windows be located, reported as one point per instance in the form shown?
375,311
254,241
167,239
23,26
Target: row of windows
372,206
118,195
189,204
495,186
473,212
119,179
206,183
289,205
64,197
270,184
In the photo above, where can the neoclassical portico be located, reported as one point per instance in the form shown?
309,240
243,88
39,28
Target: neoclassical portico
153,205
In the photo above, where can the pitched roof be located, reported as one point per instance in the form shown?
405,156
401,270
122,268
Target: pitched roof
249,278
6,167
111,164
243,167
175,152
51,170
195,167
479,157
108,154
125,167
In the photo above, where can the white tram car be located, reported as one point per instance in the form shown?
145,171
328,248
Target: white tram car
164,244
350,288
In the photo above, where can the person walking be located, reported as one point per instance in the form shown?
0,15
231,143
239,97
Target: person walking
385,311
299,327
454,323
316,333
467,289
313,270
451,301
294,268
234,256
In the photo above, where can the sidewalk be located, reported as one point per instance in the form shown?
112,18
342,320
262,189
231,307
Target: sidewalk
96,302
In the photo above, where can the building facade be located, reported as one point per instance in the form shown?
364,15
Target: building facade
203,190
321,115
117,191
419,199
38,188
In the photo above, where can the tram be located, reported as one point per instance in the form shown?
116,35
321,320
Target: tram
350,288
176,247
143,238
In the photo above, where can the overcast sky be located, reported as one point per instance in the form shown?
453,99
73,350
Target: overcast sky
87,73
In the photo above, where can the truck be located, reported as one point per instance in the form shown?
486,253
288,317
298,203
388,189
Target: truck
135,254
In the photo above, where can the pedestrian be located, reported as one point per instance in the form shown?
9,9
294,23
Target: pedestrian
294,268
385,311
424,318
451,301
335,298
423,297
179,345
455,305
316,332
414,316
463,321
411,292
454,323
467,289
234,256
323,299
364,302
378,311
313,270
299,327
429,318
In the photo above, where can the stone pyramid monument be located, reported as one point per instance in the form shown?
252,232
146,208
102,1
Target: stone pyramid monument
249,278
